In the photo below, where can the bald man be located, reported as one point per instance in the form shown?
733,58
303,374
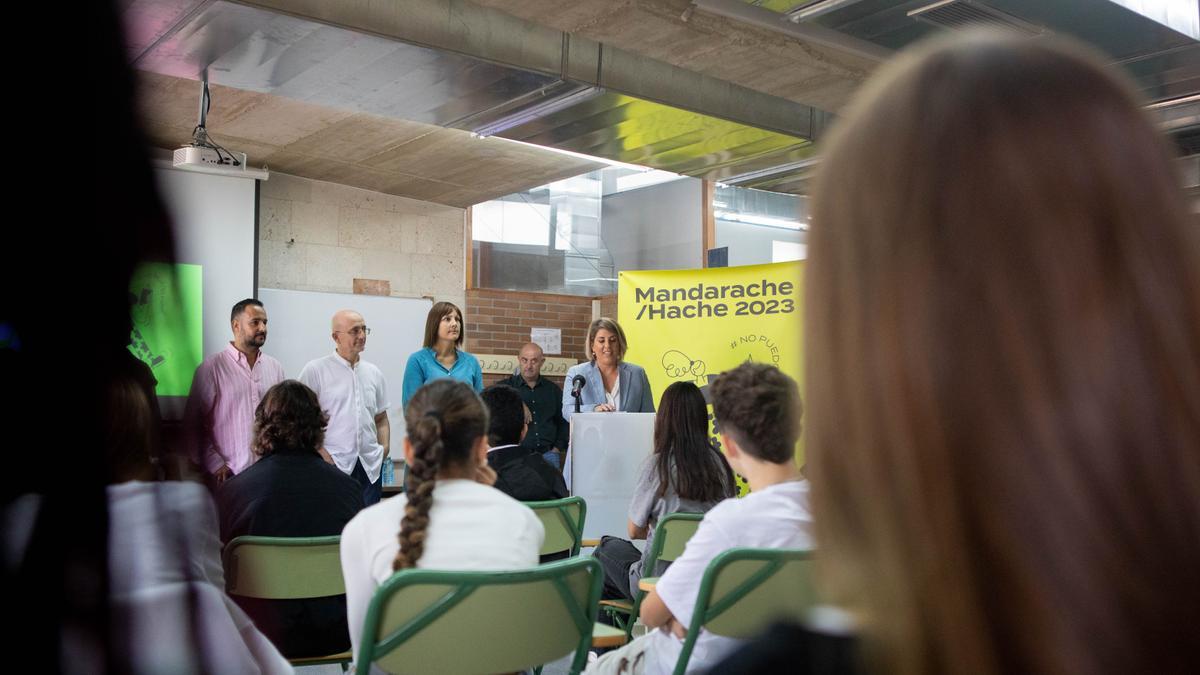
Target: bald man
548,432
354,395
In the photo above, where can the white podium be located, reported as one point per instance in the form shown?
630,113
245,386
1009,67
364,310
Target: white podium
602,463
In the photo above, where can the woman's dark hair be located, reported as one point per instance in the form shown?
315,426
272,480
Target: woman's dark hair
433,320
684,457
289,419
445,420
129,439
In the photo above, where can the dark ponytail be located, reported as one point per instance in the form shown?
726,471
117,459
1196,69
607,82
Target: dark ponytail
445,420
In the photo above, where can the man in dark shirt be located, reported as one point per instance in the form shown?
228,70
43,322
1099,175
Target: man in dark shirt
520,473
292,492
548,434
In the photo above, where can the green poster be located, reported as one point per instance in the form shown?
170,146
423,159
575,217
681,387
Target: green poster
166,305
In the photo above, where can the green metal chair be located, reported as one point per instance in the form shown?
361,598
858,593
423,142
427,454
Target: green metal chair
286,568
434,621
563,521
746,589
671,535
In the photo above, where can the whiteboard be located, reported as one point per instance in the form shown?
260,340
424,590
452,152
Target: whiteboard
298,331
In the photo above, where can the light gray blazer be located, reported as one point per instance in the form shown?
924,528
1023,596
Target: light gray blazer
635,389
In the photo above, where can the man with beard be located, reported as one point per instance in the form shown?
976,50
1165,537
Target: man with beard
226,391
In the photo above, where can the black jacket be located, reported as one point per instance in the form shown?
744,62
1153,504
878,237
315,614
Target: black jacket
524,475
292,495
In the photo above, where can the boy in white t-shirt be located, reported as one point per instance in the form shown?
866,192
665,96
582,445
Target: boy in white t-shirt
758,417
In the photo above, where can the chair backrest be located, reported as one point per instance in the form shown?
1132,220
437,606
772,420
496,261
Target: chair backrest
434,621
744,590
283,568
671,535
563,521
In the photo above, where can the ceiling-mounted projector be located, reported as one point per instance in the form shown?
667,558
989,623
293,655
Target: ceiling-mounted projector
205,155
214,161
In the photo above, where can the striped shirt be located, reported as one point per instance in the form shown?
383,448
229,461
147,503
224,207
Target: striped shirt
220,408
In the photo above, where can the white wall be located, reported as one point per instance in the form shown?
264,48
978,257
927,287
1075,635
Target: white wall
752,244
655,228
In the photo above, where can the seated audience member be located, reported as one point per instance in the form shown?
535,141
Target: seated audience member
549,433
520,473
166,583
758,411
685,473
463,524
1004,338
292,492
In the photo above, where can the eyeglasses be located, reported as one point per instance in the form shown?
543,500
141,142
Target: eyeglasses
356,331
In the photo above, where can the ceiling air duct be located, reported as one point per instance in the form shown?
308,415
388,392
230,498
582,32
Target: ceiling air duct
966,14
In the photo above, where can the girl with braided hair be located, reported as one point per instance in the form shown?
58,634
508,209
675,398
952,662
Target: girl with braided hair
451,517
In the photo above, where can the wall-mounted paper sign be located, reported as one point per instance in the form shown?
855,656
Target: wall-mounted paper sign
549,339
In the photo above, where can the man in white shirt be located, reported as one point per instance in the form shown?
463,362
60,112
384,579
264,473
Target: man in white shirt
226,390
354,395
757,409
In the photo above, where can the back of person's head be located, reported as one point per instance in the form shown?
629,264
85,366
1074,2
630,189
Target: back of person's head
129,432
684,456
289,419
445,421
1003,338
506,415
759,407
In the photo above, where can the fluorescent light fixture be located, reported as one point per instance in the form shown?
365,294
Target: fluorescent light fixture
576,155
769,172
548,106
645,179
766,221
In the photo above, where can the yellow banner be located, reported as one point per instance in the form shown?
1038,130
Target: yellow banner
695,324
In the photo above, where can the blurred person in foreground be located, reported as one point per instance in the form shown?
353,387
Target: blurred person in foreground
1003,339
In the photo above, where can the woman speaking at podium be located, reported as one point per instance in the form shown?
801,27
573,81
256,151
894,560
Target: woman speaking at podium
606,383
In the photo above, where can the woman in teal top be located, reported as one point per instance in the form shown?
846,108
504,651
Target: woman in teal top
441,356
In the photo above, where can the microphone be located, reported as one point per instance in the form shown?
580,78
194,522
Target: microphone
576,386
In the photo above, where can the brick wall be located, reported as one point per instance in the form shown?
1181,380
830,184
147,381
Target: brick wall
498,322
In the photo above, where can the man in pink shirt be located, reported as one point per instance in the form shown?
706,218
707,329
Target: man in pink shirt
226,389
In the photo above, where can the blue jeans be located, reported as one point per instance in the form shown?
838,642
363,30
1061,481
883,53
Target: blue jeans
372,492
553,457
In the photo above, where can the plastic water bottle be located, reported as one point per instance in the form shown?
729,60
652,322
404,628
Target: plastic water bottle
389,472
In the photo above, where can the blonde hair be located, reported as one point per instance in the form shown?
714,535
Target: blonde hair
611,326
